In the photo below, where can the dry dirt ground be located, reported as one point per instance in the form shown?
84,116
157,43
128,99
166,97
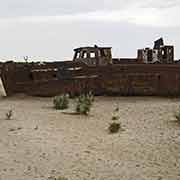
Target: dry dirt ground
40,143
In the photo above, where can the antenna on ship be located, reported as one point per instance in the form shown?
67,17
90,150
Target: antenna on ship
26,58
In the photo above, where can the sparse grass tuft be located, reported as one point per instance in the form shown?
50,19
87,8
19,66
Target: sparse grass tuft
61,178
177,116
9,114
58,178
115,116
61,102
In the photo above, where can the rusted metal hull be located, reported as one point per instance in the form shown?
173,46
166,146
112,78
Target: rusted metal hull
52,79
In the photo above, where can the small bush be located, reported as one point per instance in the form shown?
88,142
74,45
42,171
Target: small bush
84,103
115,118
9,115
61,102
177,116
114,127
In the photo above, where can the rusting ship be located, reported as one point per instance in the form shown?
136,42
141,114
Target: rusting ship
153,72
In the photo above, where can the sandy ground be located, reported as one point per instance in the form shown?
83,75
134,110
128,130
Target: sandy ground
40,142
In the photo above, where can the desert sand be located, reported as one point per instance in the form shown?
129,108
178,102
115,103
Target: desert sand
40,143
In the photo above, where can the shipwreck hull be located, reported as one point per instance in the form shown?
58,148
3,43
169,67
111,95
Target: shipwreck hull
64,77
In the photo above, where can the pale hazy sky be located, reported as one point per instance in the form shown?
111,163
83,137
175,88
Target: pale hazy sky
52,28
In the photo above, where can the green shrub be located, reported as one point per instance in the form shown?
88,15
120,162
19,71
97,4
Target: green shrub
61,102
114,127
84,103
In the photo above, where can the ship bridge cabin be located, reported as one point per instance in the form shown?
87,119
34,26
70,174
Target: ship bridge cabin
93,56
